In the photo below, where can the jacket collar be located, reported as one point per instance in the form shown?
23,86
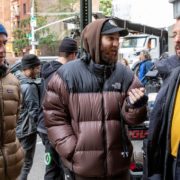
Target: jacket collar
100,70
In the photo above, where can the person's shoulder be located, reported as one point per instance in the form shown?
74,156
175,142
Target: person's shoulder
11,79
70,66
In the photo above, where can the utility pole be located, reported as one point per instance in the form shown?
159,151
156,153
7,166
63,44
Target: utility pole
33,25
85,13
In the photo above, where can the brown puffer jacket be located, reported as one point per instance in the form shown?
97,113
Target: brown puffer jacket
83,107
11,153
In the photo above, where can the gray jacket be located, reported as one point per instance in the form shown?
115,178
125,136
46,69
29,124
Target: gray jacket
27,123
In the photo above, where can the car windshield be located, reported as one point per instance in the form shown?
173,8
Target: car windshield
133,42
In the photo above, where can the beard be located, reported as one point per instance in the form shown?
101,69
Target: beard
177,49
3,69
108,59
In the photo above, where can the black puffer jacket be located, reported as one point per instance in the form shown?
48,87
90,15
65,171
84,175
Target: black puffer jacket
47,71
158,160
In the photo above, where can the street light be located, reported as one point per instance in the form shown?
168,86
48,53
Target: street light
33,25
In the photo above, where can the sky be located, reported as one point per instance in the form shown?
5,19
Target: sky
155,13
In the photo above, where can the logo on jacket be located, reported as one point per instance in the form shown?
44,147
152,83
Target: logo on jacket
116,86
10,91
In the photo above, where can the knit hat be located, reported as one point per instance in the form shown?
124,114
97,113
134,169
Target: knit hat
68,45
30,61
111,27
3,30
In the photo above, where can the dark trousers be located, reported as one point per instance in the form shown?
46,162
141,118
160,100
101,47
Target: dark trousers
29,144
54,169
176,170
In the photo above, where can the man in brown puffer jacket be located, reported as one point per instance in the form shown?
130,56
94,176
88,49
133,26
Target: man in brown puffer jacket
11,153
87,104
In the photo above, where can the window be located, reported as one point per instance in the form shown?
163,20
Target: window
152,43
133,42
24,8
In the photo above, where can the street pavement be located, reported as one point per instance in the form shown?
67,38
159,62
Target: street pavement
38,168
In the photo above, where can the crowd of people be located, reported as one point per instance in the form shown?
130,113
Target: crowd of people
81,109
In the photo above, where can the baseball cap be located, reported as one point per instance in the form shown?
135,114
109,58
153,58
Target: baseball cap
111,27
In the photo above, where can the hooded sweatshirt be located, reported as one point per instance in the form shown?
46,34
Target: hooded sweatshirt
46,72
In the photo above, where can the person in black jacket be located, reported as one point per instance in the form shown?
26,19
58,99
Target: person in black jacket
163,147
67,52
27,124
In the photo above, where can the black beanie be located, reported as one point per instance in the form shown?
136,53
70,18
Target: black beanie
68,45
30,61
3,30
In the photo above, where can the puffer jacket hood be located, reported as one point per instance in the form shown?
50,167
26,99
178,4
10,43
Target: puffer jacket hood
165,66
49,68
91,36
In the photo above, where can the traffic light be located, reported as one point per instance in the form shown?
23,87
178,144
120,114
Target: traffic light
85,13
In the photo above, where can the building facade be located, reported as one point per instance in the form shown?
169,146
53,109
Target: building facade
14,12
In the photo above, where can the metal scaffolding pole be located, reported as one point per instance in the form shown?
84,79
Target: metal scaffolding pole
85,13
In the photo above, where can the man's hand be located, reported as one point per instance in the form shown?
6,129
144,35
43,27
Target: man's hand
136,94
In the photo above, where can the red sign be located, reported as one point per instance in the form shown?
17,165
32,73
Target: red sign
138,134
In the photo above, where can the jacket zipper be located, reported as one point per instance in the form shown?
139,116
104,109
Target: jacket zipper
104,127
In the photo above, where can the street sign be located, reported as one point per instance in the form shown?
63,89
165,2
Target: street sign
34,43
33,21
29,36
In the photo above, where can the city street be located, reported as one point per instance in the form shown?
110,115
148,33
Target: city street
37,171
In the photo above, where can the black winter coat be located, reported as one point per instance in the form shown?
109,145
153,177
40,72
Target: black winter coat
159,161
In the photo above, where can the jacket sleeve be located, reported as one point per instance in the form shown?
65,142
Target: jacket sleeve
57,117
137,113
19,101
31,98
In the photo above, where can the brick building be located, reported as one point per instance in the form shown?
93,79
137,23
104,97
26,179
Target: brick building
14,11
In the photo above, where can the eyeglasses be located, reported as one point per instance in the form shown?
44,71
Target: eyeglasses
175,34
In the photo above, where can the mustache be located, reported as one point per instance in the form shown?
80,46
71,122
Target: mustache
177,46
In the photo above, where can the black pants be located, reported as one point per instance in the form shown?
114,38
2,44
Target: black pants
176,170
54,169
29,144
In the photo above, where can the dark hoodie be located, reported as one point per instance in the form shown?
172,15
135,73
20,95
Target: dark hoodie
165,66
90,34
47,71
